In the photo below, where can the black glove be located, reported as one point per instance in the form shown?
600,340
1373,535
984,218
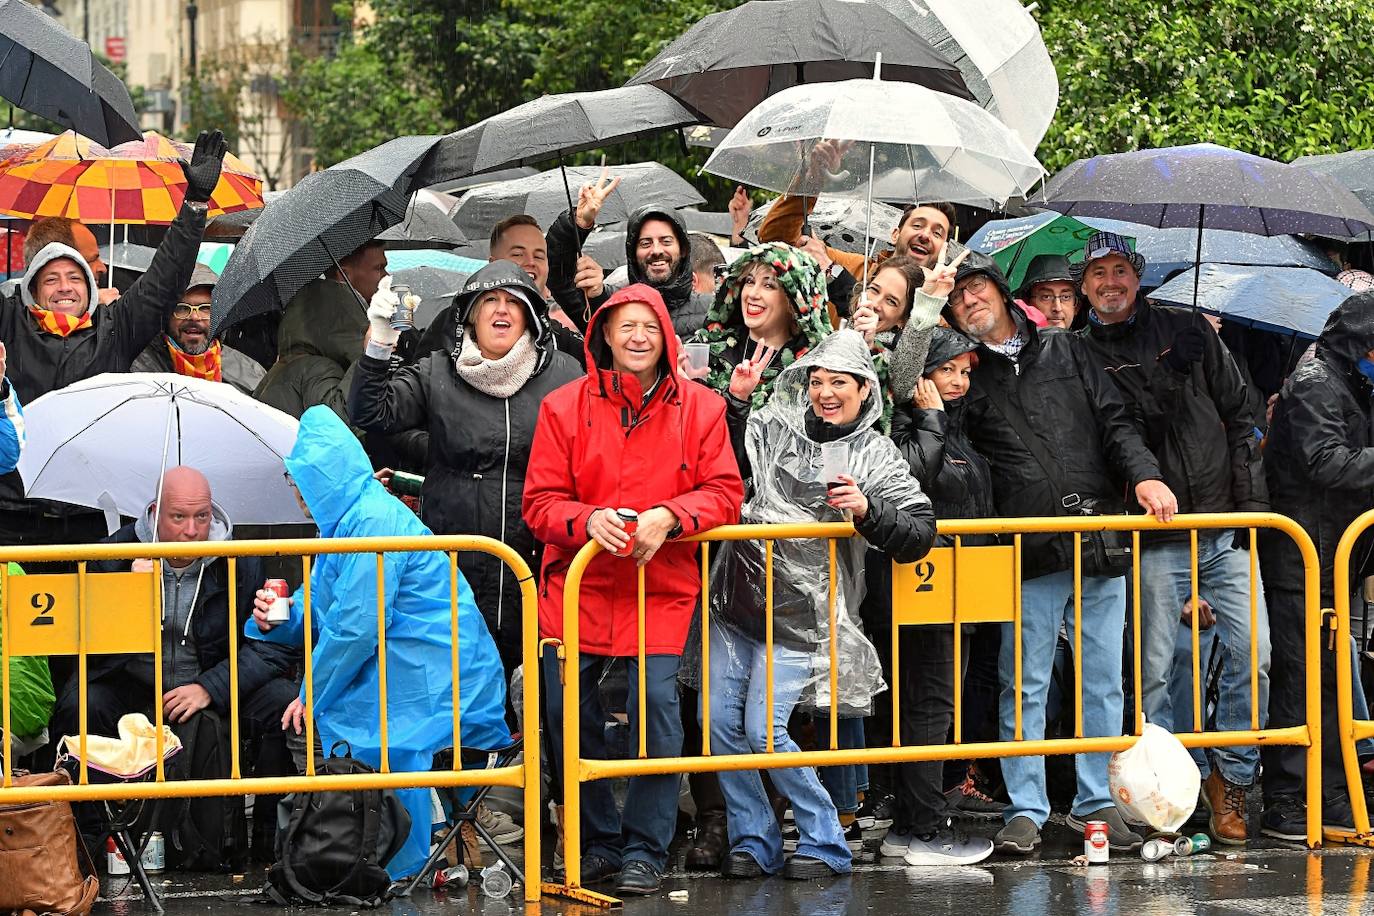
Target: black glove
202,172
1185,350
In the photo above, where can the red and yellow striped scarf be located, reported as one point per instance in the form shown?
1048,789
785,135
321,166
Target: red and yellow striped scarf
57,323
207,365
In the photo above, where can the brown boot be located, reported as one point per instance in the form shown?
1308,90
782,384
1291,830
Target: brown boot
711,844
558,849
1226,802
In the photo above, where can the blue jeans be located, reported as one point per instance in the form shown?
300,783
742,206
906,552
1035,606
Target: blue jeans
844,783
1046,605
1224,582
650,818
739,725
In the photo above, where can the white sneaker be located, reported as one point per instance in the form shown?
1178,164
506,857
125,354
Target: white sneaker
895,844
502,828
945,847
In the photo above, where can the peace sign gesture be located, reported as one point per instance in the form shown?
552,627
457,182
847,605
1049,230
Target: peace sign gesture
592,198
940,278
749,373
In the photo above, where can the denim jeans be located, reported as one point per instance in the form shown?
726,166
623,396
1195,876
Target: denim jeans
1224,582
650,817
739,725
844,783
1046,605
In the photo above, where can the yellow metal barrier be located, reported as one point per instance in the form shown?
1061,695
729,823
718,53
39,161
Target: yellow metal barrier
934,592
1352,730
102,613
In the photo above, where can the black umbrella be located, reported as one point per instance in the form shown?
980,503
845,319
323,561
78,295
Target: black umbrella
729,62
395,162
1204,186
325,217
435,286
48,71
228,227
1354,169
542,196
423,227
552,127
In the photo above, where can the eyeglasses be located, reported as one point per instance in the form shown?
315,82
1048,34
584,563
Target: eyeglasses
187,310
975,286
719,271
1050,298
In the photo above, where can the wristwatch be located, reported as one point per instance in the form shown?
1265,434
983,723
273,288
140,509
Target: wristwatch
834,270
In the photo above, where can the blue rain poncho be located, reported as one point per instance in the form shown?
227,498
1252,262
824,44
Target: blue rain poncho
335,479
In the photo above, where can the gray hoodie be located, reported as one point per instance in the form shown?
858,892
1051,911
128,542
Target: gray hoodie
48,253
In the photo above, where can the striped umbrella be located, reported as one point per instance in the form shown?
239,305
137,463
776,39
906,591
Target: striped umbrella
139,182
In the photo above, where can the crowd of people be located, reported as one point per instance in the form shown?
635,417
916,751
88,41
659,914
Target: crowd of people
789,382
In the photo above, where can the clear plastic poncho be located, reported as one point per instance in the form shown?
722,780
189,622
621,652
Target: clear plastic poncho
788,486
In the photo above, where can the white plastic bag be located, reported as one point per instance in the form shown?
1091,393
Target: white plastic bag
1155,782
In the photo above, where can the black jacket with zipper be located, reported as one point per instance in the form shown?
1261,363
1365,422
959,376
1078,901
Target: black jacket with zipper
952,473
258,661
1199,424
1080,419
479,446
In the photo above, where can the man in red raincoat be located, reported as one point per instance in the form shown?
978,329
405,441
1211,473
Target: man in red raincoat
631,435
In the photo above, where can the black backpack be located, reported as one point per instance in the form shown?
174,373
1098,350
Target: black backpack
208,833
333,846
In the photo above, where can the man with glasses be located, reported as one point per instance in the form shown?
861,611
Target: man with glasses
1049,286
186,347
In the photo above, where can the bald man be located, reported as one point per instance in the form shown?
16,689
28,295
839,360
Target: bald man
195,642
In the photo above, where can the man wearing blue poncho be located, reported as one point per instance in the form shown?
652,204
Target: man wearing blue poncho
334,480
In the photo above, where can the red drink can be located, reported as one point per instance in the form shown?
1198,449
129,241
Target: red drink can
1095,846
630,519
280,611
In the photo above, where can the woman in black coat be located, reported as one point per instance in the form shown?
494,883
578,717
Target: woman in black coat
479,404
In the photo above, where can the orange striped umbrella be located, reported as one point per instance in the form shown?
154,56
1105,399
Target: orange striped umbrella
138,182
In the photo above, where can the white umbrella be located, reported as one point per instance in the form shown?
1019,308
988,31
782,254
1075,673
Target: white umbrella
105,442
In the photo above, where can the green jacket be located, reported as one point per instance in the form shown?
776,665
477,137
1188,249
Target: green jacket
321,336
31,693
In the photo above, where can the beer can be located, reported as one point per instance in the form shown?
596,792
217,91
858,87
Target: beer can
114,859
454,877
154,856
405,484
1095,846
1187,845
280,610
403,319
1156,849
630,518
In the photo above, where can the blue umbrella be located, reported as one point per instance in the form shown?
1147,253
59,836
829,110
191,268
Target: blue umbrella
1286,300
1167,251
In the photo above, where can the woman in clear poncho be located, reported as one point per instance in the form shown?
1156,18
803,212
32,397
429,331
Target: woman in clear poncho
830,395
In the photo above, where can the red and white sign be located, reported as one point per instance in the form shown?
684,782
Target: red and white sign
114,49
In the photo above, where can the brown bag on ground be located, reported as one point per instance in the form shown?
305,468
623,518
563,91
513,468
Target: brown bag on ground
40,871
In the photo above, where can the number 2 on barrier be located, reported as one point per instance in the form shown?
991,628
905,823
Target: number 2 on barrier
982,580
42,613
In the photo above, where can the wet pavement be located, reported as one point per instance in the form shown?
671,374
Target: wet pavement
1264,878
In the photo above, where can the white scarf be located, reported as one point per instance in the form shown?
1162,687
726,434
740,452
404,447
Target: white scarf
499,378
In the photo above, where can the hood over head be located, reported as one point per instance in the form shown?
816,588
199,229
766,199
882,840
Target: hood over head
945,345
46,255
221,528
599,351
330,468
1349,332
801,278
678,286
507,275
325,318
979,263
842,351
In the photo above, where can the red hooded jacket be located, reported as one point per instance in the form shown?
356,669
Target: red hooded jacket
597,444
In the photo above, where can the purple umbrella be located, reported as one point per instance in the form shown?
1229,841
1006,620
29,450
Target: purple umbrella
1204,186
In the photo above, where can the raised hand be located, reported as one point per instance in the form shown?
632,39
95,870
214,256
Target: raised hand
202,172
749,373
865,320
928,396
826,157
940,278
592,198
740,207
589,278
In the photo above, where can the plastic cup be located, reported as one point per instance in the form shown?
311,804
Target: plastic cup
698,355
495,881
834,463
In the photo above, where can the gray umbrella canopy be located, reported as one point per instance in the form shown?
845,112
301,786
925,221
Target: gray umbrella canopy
606,246
424,227
1207,186
1287,300
553,126
544,197
48,71
838,222
395,162
325,217
730,61
1354,169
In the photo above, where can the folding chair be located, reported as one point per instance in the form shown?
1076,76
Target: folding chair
465,812
132,757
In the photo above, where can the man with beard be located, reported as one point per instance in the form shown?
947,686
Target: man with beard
921,232
187,348
657,253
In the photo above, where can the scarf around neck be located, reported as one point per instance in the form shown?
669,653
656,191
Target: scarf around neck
499,378
50,322
207,365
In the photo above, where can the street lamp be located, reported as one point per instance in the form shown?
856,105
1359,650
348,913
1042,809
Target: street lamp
191,12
